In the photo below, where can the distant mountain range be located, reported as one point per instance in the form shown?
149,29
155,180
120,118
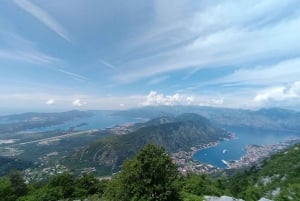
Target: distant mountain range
174,133
267,118
166,126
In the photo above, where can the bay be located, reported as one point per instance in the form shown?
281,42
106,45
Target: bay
235,148
100,120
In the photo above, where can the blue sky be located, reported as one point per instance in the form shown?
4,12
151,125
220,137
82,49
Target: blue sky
59,55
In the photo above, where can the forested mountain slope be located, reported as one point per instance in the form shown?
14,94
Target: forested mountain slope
174,134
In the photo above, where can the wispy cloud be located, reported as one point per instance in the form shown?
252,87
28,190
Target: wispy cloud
43,17
107,64
228,34
16,48
30,56
158,80
279,73
73,75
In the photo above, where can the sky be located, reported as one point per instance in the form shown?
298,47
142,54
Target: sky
96,54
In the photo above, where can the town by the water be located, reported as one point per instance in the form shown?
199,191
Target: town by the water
254,155
184,159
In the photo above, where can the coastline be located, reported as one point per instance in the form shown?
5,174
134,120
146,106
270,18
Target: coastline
231,136
203,147
256,153
253,156
185,159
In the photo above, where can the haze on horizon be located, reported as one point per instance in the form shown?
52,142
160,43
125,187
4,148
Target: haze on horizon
60,55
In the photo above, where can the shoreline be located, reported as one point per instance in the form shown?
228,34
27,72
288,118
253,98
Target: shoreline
186,162
205,146
195,149
256,153
253,155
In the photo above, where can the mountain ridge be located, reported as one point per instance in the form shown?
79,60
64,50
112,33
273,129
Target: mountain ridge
264,118
179,133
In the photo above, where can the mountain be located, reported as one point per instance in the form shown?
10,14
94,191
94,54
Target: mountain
267,118
277,179
174,133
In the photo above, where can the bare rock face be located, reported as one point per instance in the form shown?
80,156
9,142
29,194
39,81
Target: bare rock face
264,199
227,198
222,198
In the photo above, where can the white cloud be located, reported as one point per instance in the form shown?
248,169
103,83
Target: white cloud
279,93
295,88
155,98
50,101
78,103
190,99
44,17
67,100
228,34
212,102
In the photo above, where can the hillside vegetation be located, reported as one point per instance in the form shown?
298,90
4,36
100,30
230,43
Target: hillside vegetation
174,134
278,178
150,175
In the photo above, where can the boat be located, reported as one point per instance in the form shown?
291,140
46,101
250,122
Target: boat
225,162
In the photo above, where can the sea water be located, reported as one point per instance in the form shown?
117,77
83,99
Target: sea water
100,120
235,148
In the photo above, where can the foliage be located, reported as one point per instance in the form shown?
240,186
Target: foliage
173,134
151,175
148,177
281,172
65,186
203,185
19,187
7,164
6,191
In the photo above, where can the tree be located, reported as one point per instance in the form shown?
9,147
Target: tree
150,176
6,190
18,184
202,185
63,184
88,184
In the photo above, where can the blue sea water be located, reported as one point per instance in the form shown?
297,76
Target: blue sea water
234,149
99,120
